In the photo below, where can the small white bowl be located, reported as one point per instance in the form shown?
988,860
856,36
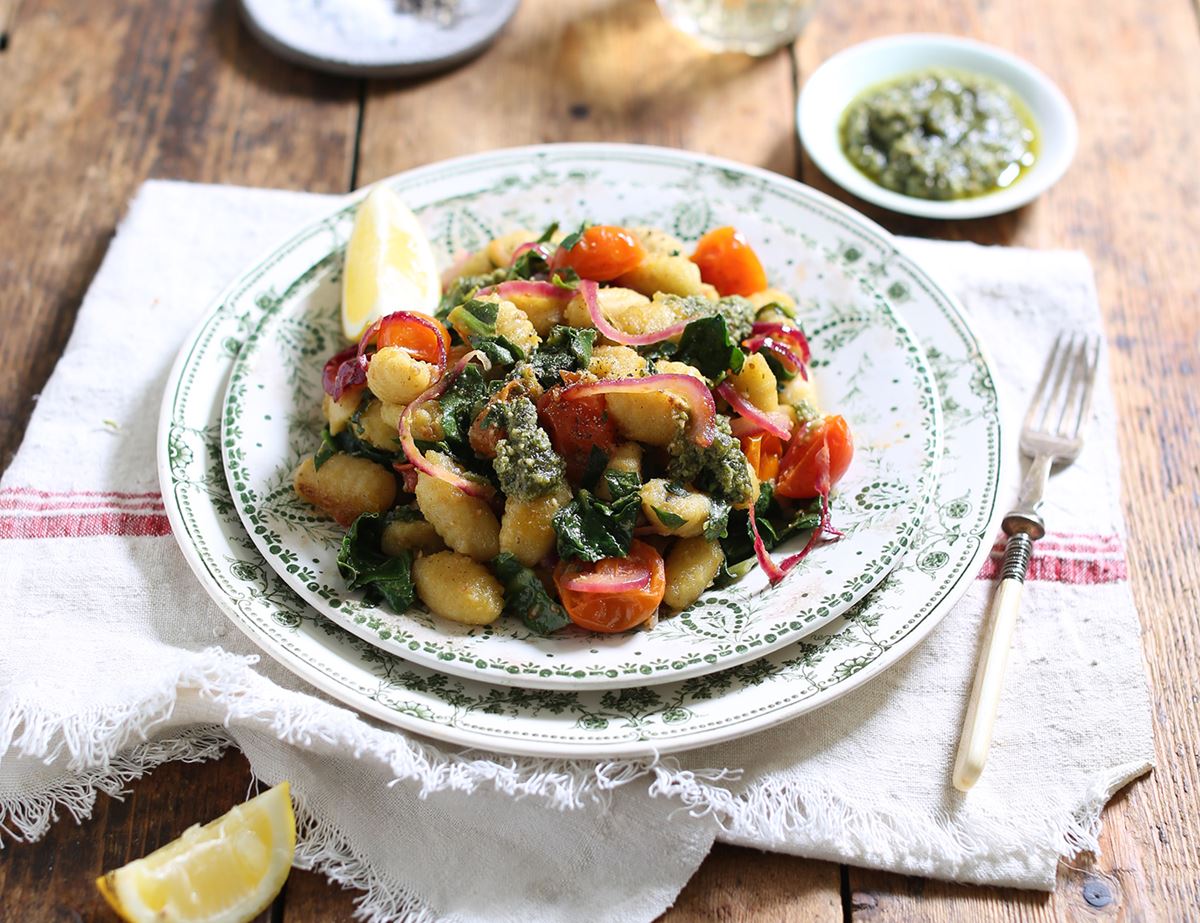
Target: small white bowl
839,80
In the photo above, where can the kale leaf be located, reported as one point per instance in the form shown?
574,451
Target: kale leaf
460,404
524,596
591,529
566,349
597,461
464,287
364,565
738,543
706,346
478,318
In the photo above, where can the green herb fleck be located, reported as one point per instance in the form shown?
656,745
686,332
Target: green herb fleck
667,518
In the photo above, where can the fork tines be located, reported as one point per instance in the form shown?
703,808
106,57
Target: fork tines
1063,399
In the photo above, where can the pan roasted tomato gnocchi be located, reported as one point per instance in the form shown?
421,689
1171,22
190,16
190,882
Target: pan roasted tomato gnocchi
593,427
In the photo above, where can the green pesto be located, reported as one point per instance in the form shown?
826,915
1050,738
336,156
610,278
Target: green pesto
738,311
939,134
525,462
719,469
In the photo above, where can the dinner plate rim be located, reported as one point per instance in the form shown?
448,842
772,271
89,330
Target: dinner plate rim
632,748
1041,92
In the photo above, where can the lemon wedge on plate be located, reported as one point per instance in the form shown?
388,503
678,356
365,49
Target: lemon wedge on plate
389,264
227,871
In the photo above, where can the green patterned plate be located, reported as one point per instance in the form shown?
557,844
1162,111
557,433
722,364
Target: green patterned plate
944,556
868,365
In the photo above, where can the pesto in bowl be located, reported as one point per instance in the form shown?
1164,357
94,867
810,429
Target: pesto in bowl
939,134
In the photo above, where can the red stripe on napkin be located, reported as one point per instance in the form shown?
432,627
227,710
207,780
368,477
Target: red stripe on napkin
117,494
84,525
1083,560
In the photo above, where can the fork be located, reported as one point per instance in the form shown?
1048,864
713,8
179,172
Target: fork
1052,434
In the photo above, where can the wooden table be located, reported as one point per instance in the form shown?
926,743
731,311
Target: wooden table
97,96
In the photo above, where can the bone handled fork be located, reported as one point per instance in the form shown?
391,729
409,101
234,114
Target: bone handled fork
1051,434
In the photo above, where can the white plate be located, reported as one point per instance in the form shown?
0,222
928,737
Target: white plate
861,350
312,35
946,552
835,84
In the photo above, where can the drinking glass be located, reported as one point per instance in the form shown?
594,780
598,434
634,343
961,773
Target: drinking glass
752,26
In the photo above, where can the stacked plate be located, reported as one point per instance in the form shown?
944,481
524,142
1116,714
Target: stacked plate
892,352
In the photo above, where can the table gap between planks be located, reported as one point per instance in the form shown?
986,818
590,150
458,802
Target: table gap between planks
96,97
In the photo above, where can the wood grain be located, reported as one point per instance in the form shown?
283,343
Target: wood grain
1130,202
97,96
589,70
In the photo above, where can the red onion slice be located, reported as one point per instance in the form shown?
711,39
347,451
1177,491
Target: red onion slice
417,458
776,572
702,409
590,292
770,423
789,357
528,287
344,371
604,583
543,249
788,333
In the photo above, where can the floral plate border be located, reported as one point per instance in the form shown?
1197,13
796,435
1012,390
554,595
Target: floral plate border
676,716
864,350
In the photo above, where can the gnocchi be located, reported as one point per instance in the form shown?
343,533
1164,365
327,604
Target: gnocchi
457,588
345,487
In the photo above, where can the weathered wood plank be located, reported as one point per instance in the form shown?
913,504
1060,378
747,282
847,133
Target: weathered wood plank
586,71
1130,203
739,885
95,97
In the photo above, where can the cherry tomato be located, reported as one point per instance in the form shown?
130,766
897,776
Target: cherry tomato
425,338
602,253
816,458
727,262
612,612
575,426
763,451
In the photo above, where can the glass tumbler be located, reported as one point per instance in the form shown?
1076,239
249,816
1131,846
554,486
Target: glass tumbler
755,27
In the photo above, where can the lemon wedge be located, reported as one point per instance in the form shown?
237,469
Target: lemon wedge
389,264
227,871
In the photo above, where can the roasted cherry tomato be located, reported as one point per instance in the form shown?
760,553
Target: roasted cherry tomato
616,611
602,253
425,338
575,426
763,451
816,458
728,263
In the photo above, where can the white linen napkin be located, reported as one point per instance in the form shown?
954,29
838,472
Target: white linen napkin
114,659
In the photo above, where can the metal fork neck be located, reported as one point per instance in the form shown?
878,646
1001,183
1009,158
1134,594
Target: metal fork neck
1024,518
